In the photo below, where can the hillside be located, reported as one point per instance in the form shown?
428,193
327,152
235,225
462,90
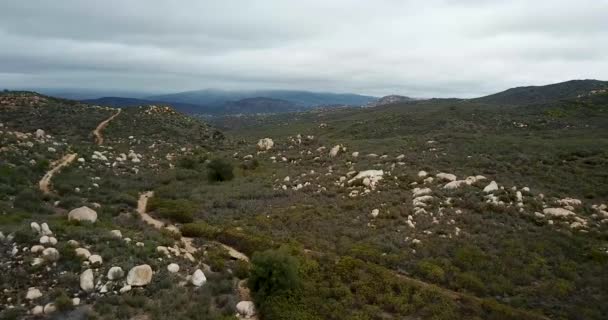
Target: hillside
392,99
212,97
544,94
121,102
431,209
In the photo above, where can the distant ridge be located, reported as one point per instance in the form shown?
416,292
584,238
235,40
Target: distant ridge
308,99
391,99
543,94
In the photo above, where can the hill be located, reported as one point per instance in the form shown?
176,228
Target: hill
301,98
259,105
543,94
389,100
121,102
431,209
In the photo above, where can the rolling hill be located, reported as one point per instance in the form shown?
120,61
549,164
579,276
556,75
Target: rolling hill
301,98
543,94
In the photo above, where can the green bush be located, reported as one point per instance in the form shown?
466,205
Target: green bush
220,170
273,272
180,210
199,230
431,271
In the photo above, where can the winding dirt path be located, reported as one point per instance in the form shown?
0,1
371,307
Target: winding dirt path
142,204
101,126
45,182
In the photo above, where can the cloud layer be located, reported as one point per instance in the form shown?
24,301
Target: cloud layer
431,48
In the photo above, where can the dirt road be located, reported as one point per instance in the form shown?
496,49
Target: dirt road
101,126
45,182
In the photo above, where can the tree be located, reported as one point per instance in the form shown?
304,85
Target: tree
220,170
273,272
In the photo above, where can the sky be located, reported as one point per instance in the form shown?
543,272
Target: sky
431,48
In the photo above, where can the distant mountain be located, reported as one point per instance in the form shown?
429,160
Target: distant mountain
389,100
133,102
259,105
543,94
211,97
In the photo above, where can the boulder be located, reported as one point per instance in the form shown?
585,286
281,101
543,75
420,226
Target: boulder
198,278
95,259
40,134
45,230
87,281
422,174
493,186
116,233
33,293
139,275
246,309
115,273
49,308
83,253
83,213
372,176
558,212
173,268
335,150
35,227
50,254
375,213
265,144
37,310
445,176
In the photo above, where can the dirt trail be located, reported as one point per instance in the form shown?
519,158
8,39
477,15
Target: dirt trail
142,203
45,182
101,126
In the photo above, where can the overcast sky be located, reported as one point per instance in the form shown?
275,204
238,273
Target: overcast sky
451,48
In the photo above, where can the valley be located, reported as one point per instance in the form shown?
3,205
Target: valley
486,208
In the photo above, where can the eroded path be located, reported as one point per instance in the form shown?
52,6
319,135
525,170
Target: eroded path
101,126
45,182
142,204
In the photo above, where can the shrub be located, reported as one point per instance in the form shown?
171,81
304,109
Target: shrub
273,272
199,230
180,210
220,170
431,271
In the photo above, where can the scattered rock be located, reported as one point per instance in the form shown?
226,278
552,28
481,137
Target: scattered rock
33,293
445,176
139,275
87,281
37,310
116,233
83,213
558,212
50,254
493,186
83,253
173,267
198,278
375,213
265,144
49,308
115,273
95,259
246,309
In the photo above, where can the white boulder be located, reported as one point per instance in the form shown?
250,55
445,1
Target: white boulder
493,186
139,275
265,144
33,293
246,309
173,267
198,278
87,281
83,213
115,273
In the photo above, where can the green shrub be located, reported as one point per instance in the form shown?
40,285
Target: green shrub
199,230
220,170
273,272
431,271
180,210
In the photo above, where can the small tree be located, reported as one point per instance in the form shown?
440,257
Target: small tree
220,170
273,272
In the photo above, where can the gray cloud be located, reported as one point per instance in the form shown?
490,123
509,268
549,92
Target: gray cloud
434,48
